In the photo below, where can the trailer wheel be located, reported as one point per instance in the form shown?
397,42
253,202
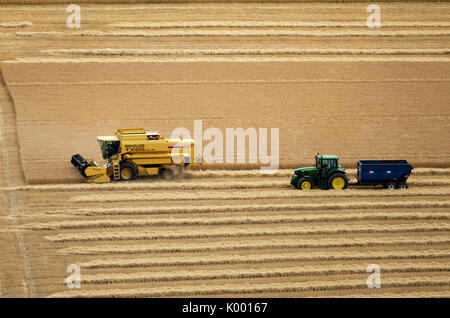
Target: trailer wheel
338,181
305,184
127,171
403,185
390,185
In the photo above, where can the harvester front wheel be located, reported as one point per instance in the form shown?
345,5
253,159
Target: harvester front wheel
338,181
127,171
305,184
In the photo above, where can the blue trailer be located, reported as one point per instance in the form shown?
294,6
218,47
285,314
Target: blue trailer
392,174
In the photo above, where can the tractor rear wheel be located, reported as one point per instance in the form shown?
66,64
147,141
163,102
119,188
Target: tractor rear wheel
338,181
305,184
127,171
390,185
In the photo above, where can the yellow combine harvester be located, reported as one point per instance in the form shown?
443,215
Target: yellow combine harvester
135,152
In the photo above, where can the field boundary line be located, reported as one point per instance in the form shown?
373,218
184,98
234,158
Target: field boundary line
10,137
17,177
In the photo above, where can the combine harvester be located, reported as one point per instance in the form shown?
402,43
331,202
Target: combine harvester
135,152
327,174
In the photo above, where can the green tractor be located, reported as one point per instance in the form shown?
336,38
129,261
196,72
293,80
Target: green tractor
326,174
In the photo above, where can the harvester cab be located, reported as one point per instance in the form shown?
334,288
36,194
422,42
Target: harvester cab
109,146
326,174
135,152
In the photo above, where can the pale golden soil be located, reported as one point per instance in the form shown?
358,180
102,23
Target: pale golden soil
312,70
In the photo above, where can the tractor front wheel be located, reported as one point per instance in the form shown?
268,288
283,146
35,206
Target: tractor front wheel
305,184
127,171
338,181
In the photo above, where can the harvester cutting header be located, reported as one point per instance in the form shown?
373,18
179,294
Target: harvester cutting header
135,152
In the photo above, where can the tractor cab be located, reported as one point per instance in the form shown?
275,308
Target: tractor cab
326,174
326,163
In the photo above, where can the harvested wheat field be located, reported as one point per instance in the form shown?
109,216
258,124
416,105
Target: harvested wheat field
312,70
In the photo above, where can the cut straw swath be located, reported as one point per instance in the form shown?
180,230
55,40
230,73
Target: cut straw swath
241,33
272,24
282,51
230,208
251,195
269,230
309,271
246,245
263,258
15,24
255,288
237,220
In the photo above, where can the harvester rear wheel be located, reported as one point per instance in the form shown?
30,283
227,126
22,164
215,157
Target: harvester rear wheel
305,184
167,174
338,181
127,171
